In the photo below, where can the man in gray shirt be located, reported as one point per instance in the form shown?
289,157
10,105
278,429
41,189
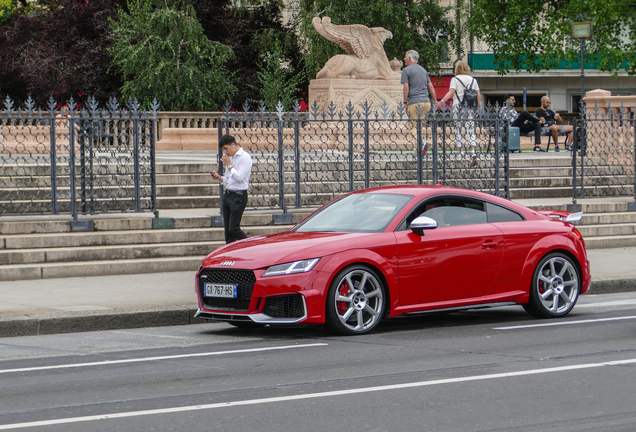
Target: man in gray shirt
418,91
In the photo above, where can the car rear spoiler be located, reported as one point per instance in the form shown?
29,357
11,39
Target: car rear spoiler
565,216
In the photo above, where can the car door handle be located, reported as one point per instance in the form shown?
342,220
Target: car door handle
490,244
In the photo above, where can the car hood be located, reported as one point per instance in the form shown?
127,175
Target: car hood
264,251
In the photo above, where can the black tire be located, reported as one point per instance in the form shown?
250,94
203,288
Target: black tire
356,301
556,285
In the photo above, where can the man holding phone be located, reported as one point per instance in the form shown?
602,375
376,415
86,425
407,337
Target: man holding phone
238,169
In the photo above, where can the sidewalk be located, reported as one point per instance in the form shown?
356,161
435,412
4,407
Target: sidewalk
47,306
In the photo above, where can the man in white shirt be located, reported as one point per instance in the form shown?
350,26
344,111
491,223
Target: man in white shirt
238,169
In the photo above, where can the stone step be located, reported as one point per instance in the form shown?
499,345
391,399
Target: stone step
137,222
524,173
617,229
100,268
604,242
563,192
111,238
107,253
624,217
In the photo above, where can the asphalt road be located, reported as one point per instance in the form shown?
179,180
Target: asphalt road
484,370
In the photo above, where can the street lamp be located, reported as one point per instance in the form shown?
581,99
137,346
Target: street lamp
582,31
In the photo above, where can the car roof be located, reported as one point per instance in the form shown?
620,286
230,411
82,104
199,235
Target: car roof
423,191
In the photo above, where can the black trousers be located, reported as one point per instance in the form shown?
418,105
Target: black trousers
234,203
533,124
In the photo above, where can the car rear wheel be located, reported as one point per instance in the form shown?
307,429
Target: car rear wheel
355,303
555,287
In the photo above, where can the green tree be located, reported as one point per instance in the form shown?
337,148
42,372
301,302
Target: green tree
251,29
278,82
536,35
160,48
415,25
6,9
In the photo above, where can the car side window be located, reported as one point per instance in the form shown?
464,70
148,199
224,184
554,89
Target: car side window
449,211
498,213
462,214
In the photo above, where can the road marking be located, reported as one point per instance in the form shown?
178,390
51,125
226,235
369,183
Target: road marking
171,357
560,323
607,304
316,395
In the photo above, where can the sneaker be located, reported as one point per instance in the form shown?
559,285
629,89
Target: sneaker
568,147
557,149
538,149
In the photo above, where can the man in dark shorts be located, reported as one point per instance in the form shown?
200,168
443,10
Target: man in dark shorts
550,121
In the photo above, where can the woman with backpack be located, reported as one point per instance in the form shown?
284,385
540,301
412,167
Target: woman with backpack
466,95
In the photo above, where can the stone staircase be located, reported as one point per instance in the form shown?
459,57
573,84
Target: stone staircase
40,248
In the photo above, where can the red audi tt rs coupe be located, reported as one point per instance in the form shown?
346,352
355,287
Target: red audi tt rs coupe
383,252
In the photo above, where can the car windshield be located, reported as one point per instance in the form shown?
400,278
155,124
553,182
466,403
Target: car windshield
364,212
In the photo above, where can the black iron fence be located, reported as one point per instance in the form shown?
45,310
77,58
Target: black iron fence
305,159
77,161
95,160
606,153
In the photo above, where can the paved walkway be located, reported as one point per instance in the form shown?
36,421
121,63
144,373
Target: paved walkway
46,306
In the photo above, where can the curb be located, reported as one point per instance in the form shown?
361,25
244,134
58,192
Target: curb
116,319
119,319
611,286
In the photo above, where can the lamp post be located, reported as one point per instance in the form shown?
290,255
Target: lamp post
582,31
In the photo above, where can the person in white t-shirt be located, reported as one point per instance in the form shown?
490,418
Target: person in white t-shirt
465,129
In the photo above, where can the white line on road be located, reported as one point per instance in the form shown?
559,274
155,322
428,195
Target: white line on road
315,395
606,304
560,323
171,357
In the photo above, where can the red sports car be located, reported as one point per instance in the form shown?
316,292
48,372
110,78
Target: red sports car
384,252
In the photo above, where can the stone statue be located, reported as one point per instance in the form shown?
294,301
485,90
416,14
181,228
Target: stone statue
366,58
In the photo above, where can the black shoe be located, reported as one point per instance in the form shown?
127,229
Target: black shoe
557,149
568,147
538,149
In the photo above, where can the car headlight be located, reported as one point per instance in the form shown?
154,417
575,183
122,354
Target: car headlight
302,266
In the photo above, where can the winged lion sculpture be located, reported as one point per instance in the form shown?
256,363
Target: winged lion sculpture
366,58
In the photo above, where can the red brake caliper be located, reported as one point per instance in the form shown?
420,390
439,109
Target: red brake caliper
541,287
343,291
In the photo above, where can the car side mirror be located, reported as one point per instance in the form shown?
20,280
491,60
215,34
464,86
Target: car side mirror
422,223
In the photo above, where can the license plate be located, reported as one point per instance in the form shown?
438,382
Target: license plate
220,290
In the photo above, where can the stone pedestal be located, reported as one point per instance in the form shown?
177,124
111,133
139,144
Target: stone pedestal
342,91
610,141
602,99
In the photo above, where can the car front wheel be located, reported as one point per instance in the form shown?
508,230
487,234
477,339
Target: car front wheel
555,287
355,303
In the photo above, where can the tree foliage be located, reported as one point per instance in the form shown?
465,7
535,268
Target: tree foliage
160,48
415,25
58,48
252,31
6,9
277,82
536,35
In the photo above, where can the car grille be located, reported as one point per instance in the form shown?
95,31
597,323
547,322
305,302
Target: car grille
245,280
289,306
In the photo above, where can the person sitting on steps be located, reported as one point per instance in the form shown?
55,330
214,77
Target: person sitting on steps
525,121
550,121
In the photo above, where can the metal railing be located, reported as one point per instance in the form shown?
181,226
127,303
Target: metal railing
70,161
305,159
605,156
